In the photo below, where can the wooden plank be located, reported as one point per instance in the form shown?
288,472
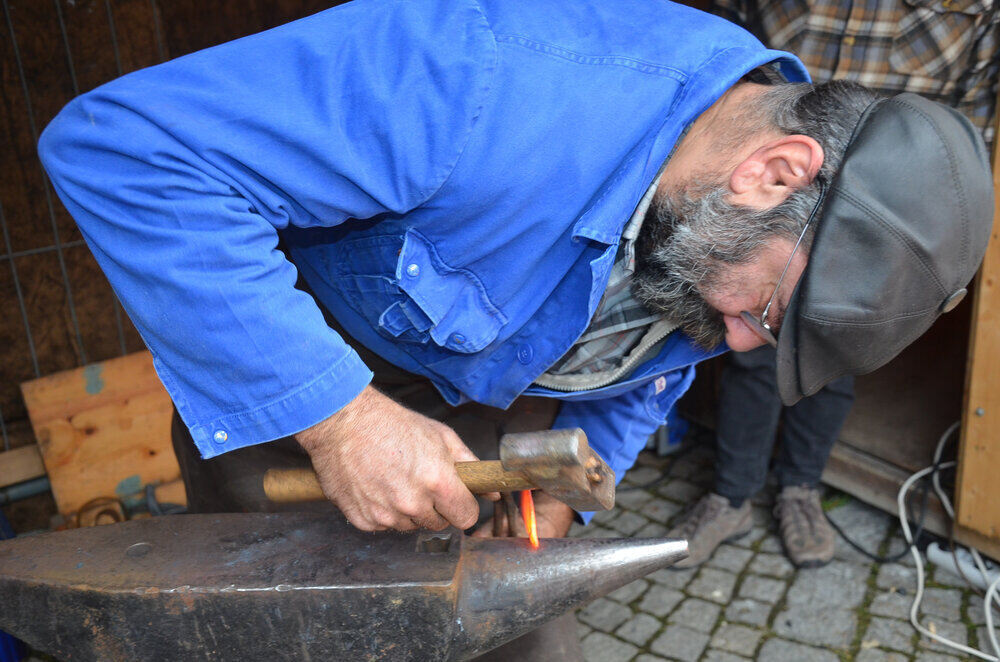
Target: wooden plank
877,482
20,464
103,430
978,491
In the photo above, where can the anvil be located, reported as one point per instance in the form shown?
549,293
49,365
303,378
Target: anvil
297,586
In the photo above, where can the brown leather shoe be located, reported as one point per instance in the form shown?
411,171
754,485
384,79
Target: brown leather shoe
711,522
807,536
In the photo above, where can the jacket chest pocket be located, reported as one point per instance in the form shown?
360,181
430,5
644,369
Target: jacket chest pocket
424,300
935,38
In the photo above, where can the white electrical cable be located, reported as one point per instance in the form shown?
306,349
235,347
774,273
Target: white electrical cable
946,504
918,597
991,594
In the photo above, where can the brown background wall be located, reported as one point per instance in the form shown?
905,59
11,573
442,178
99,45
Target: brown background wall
56,309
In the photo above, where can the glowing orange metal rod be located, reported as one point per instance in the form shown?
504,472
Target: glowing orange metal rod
528,513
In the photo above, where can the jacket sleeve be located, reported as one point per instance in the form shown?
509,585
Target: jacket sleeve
619,427
181,176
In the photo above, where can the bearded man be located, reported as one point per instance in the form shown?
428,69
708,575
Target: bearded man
512,214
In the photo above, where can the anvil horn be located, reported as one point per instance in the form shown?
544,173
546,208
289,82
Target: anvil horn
295,586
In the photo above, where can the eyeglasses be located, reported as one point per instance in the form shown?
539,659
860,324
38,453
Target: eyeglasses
761,326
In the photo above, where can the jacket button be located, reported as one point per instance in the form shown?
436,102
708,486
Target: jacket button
457,338
525,354
413,270
220,436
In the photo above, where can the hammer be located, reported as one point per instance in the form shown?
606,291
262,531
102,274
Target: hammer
558,462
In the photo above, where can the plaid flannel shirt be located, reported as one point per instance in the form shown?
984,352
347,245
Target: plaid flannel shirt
620,322
945,50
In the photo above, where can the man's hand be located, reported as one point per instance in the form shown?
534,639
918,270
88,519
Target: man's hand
387,467
552,518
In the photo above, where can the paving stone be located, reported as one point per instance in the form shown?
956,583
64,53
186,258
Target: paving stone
582,629
629,592
837,584
975,613
895,604
604,614
713,584
730,558
576,530
984,639
721,656
632,498
927,656
779,650
599,647
639,629
957,632
681,643
750,612
660,510
889,633
641,476
763,589
652,530
896,575
762,516
736,638
649,458
649,657
772,565
876,655
628,522
604,517
674,578
896,545
771,544
750,539
946,577
867,526
942,603
696,614
659,600
681,490
817,624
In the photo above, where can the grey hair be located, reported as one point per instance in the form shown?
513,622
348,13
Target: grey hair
691,235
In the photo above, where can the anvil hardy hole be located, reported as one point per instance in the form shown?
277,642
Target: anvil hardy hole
434,543
138,549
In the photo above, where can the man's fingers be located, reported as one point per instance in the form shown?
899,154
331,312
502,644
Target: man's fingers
459,451
454,501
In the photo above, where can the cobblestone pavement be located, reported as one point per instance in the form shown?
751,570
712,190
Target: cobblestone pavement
749,602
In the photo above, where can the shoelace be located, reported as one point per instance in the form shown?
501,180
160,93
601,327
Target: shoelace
801,512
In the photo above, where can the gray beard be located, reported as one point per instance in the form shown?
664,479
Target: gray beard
687,241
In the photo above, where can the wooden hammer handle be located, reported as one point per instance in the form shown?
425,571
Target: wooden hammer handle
290,485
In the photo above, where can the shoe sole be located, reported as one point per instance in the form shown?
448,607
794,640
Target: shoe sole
806,565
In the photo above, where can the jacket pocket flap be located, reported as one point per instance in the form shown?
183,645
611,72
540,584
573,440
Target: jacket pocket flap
462,318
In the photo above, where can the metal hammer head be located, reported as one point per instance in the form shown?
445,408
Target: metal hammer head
562,463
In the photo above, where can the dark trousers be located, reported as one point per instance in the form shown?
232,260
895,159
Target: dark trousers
747,421
232,482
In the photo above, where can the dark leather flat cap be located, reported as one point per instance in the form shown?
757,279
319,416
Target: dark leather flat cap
902,232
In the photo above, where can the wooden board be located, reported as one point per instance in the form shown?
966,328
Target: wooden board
20,464
103,430
979,467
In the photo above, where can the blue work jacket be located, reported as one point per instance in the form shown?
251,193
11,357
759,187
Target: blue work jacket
451,177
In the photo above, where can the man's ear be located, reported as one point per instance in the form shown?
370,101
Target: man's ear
767,176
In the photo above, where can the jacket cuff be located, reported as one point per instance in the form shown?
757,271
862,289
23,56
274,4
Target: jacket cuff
285,416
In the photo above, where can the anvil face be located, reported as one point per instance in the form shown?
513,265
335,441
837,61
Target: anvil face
292,586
